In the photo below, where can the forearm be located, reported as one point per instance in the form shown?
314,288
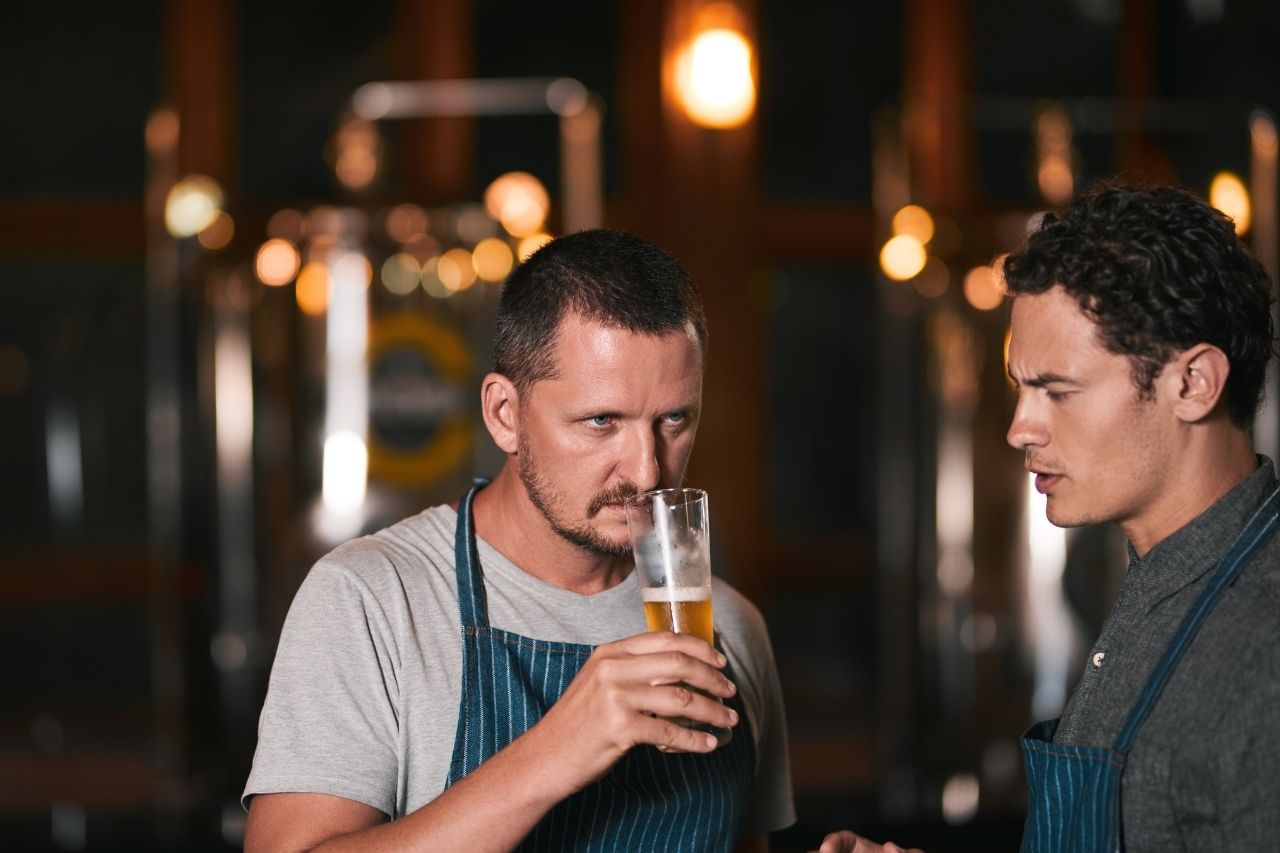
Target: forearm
491,809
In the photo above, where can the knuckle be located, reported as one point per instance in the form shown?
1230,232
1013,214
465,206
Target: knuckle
671,733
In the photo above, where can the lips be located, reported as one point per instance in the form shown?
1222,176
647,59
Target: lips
1046,482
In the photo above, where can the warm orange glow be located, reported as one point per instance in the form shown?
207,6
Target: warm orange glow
1055,179
715,78
914,220
277,262
519,201
455,270
1228,194
312,289
984,286
902,258
1054,154
531,244
356,168
218,233
406,223
162,131
358,147
492,259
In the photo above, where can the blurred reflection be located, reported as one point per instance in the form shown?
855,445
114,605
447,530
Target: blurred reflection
1050,632
64,465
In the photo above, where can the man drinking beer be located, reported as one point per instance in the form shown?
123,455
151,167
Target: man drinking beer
478,676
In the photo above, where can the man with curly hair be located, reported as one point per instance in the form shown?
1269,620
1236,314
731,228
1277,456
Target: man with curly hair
1141,335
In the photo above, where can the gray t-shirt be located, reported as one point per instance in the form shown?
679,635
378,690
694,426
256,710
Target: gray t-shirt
1204,772
364,693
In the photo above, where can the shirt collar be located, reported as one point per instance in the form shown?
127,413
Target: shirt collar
1187,554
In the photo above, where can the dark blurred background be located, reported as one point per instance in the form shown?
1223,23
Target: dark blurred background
246,311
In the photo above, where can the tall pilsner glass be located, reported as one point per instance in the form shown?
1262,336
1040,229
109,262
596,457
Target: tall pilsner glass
671,540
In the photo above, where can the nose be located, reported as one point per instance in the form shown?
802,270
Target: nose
1027,428
640,463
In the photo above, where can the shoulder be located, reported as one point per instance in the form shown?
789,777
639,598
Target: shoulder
734,611
396,564
741,630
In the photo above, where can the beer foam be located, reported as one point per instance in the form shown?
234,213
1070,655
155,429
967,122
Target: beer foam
677,593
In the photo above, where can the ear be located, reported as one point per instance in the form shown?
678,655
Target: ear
1197,379
500,407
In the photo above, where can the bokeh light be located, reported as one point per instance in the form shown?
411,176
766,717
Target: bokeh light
218,233
1228,194
455,270
933,280
492,259
475,224
519,201
714,78
915,221
531,244
287,224
353,270
1055,179
277,262
406,223
191,205
984,286
162,129
431,282
902,257
358,147
312,289
401,273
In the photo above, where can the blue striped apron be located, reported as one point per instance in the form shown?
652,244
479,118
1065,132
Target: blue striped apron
1074,791
648,801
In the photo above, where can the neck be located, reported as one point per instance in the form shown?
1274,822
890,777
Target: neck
506,519
1210,464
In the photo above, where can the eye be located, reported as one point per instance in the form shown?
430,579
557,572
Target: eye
599,421
1057,396
675,417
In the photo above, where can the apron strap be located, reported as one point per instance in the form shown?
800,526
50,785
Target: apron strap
472,609
1259,529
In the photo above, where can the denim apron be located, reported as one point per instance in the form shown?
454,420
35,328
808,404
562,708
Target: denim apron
649,800
1074,791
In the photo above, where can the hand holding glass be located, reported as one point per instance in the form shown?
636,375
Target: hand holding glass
671,541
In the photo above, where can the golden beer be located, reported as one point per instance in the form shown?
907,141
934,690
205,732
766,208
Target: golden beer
684,610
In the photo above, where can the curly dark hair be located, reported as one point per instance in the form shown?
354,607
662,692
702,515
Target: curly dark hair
606,275
1158,270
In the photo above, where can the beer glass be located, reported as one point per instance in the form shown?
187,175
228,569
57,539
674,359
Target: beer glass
671,542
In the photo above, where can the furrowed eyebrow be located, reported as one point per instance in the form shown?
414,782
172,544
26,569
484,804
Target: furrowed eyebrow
1047,379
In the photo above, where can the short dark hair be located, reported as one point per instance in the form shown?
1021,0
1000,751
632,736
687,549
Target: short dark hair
1158,270
606,275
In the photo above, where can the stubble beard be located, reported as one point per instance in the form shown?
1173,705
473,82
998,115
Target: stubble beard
544,498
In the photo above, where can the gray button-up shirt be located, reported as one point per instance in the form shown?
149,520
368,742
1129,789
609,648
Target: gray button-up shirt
1204,773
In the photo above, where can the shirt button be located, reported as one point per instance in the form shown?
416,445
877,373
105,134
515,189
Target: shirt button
1097,659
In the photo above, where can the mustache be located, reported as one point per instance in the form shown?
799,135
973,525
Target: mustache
615,495
1036,463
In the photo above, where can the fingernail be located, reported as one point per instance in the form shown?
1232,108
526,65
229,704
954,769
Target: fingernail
721,659
733,717
711,741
